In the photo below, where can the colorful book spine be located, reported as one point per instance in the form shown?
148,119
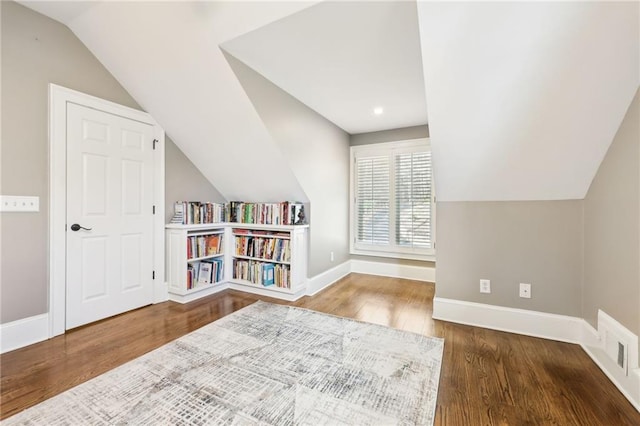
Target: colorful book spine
197,212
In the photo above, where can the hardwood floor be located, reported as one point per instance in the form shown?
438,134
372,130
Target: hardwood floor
487,378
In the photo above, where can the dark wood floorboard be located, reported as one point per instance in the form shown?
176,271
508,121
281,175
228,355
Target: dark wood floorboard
487,378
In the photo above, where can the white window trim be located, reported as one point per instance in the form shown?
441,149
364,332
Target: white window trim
370,250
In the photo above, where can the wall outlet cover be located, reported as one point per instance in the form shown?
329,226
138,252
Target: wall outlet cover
525,290
485,286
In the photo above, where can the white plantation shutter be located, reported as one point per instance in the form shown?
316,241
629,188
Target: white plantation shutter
372,200
392,200
413,199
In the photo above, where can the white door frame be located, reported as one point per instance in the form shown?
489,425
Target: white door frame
58,98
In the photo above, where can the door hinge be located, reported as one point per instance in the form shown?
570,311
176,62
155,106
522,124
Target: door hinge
154,210
153,275
155,141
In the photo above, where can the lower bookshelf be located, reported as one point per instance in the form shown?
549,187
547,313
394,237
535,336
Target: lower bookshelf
269,260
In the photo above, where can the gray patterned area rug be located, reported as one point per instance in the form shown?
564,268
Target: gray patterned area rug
263,365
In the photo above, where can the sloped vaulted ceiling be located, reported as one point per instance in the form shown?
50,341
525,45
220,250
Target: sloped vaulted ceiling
523,98
166,55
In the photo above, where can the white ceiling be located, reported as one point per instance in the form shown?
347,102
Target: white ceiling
343,60
524,98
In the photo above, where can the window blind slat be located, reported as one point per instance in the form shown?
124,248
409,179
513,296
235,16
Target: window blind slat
372,200
413,199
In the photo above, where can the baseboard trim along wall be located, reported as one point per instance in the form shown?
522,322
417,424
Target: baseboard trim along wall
601,344
409,272
328,278
24,332
519,321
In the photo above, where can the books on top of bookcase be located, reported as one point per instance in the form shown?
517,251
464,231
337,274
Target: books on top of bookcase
199,212
284,213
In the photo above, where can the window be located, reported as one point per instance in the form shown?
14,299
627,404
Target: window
392,200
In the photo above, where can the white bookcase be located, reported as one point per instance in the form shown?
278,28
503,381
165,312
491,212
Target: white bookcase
180,260
260,248
270,260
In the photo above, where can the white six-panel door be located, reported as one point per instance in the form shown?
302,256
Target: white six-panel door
110,192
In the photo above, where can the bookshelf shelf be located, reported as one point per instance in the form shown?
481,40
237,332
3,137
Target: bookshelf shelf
278,254
261,259
196,259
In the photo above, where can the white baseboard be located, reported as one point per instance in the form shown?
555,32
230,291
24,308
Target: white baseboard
520,321
186,298
266,291
419,273
556,327
20,333
327,278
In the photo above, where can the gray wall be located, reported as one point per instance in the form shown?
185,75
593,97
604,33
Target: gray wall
612,229
183,182
318,153
536,242
37,51
406,133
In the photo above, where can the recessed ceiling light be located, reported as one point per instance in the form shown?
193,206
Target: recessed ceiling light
378,111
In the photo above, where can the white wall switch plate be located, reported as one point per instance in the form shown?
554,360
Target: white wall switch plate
16,203
525,290
485,286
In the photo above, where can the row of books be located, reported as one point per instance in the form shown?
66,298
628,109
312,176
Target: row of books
196,212
265,274
265,248
204,245
285,213
205,272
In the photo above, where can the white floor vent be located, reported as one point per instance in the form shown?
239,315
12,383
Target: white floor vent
618,341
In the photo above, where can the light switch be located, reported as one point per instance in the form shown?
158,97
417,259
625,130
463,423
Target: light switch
16,203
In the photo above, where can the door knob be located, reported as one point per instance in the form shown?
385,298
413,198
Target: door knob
76,227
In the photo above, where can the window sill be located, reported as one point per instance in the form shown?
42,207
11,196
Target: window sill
408,256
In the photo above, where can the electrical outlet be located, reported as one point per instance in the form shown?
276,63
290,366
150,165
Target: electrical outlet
331,256
485,286
525,290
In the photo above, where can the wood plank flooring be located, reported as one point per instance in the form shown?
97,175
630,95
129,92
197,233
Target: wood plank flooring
488,377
